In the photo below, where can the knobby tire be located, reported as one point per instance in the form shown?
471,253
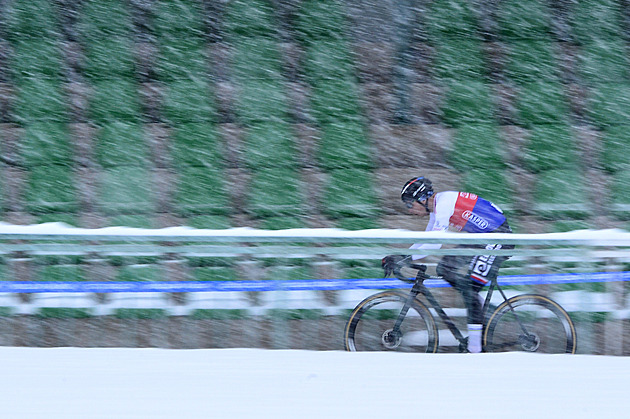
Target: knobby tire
371,322
539,325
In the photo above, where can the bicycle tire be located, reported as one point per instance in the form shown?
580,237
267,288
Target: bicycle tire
549,327
370,323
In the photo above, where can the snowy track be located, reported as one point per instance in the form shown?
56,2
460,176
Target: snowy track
249,383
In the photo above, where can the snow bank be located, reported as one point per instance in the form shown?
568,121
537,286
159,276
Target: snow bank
249,383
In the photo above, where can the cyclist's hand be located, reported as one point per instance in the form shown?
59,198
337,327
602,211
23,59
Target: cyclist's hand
394,262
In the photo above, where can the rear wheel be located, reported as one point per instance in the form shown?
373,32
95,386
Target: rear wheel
530,323
371,325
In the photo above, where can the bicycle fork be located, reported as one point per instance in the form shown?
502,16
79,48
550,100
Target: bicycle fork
396,334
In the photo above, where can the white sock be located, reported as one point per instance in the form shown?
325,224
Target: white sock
474,338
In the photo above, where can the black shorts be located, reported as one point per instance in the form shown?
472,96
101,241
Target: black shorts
481,268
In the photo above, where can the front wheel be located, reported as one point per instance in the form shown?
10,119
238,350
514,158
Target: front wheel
371,325
530,323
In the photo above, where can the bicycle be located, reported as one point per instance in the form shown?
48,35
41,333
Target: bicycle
397,321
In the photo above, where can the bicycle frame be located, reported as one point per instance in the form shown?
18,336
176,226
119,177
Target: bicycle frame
419,288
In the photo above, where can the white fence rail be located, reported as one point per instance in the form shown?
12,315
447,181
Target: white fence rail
57,238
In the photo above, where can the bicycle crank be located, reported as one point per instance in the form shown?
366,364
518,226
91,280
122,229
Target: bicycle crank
391,339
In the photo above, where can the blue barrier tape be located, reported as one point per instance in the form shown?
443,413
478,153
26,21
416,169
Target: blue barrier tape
294,285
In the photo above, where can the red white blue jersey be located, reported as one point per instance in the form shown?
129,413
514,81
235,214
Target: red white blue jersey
461,211
465,212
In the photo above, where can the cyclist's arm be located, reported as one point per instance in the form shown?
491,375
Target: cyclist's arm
433,225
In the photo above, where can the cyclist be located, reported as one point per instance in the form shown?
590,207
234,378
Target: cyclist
461,211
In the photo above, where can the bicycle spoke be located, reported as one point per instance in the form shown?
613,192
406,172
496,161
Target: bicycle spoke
372,326
530,323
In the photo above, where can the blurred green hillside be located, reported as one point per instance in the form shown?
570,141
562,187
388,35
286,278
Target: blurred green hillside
311,113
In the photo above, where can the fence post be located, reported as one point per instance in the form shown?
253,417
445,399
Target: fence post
252,270
177,325
613,326
24,328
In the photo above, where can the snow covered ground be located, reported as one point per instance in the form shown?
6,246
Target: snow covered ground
249,383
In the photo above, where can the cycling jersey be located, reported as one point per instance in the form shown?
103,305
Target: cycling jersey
465,212
462,211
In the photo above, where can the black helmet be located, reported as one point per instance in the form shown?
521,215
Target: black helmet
416,189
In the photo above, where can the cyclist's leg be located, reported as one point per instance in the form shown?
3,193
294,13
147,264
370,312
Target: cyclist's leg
456,271
454,268
450,268
474,305
479,270
474,311
483,269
